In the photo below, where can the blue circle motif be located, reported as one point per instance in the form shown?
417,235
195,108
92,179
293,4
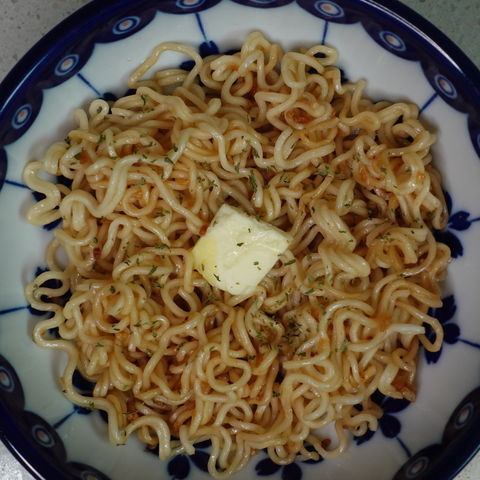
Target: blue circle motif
66,64
42,436
190,3
126,25
330,9
393,41
464,416
6,380
263,3
21,116
446,86
417,468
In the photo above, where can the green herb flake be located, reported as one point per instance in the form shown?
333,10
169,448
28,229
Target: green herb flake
210,186
144,98
153,270
252,180
210,299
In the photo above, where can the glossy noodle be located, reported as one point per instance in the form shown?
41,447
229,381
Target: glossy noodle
341,314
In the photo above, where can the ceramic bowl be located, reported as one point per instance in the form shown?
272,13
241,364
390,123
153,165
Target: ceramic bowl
91,55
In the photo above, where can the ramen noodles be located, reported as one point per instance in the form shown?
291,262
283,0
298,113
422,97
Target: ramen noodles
338,312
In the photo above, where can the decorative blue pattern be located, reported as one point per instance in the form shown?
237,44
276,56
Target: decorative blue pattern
444,85
267,467
206,48
457,221
288,472
39,441
67,64
393,39
330,10
21,116
189,4
59,66
460,221
126,25
182,7
461,436
428,102
388,424
84,387
263,3
55,284
7,383
88,84
33,437
340,11
451,330
179,467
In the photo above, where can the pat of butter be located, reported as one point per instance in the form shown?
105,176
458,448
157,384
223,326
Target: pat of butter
238,250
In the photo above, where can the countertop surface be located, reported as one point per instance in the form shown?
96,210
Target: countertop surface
23,22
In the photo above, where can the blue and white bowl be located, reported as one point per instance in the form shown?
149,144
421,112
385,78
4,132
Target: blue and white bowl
91,55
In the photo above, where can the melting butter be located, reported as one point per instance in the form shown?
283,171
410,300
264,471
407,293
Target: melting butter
238,250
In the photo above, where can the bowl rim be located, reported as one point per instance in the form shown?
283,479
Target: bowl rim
88,17
92,14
